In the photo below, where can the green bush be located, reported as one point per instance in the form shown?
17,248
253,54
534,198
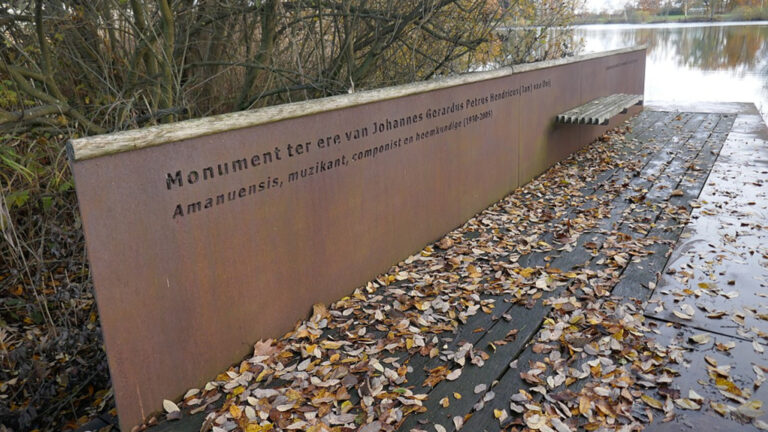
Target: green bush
749,13
638,16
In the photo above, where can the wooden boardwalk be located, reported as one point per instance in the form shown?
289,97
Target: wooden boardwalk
675,152
621,226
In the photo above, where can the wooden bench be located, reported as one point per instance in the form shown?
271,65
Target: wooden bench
599,111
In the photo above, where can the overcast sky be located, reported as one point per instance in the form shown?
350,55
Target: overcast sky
599,5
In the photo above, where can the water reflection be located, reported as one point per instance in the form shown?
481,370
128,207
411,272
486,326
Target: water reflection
695,62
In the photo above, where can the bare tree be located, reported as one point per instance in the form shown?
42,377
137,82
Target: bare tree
99,65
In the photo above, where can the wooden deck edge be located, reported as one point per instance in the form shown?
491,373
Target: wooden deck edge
118,142
703,107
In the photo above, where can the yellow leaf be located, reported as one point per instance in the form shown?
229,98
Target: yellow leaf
328,345
346,406
584,405
263,374
235,411
720,408
687,404
727,385
457,395
255,427
653,403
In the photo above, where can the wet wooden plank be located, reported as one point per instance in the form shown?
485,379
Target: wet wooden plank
637,279
522,319
722,252
694,376
701,143
511,382
498,362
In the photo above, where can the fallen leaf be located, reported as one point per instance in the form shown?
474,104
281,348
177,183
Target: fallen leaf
701,338
692,395
500,415
686,403
751,409
445,243
169,406
560,426
454,375
720,408
725,346
757,347
653,403
682,315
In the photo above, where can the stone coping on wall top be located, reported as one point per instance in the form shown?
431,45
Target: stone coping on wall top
118,142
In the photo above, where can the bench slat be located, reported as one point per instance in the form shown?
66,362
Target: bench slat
610,108
611,111
590,117
572,116
600,110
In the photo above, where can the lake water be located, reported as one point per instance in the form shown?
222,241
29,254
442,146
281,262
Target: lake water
694,62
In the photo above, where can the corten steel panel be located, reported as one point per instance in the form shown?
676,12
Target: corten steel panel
544,142
181,298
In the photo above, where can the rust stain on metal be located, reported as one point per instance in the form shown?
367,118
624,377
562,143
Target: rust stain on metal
200,247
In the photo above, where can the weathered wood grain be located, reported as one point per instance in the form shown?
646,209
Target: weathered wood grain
599,111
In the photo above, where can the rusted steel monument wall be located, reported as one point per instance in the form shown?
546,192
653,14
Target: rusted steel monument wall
207,235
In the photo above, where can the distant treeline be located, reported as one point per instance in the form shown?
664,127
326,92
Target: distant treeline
658,11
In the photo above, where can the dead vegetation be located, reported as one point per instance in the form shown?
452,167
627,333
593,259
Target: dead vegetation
52,365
